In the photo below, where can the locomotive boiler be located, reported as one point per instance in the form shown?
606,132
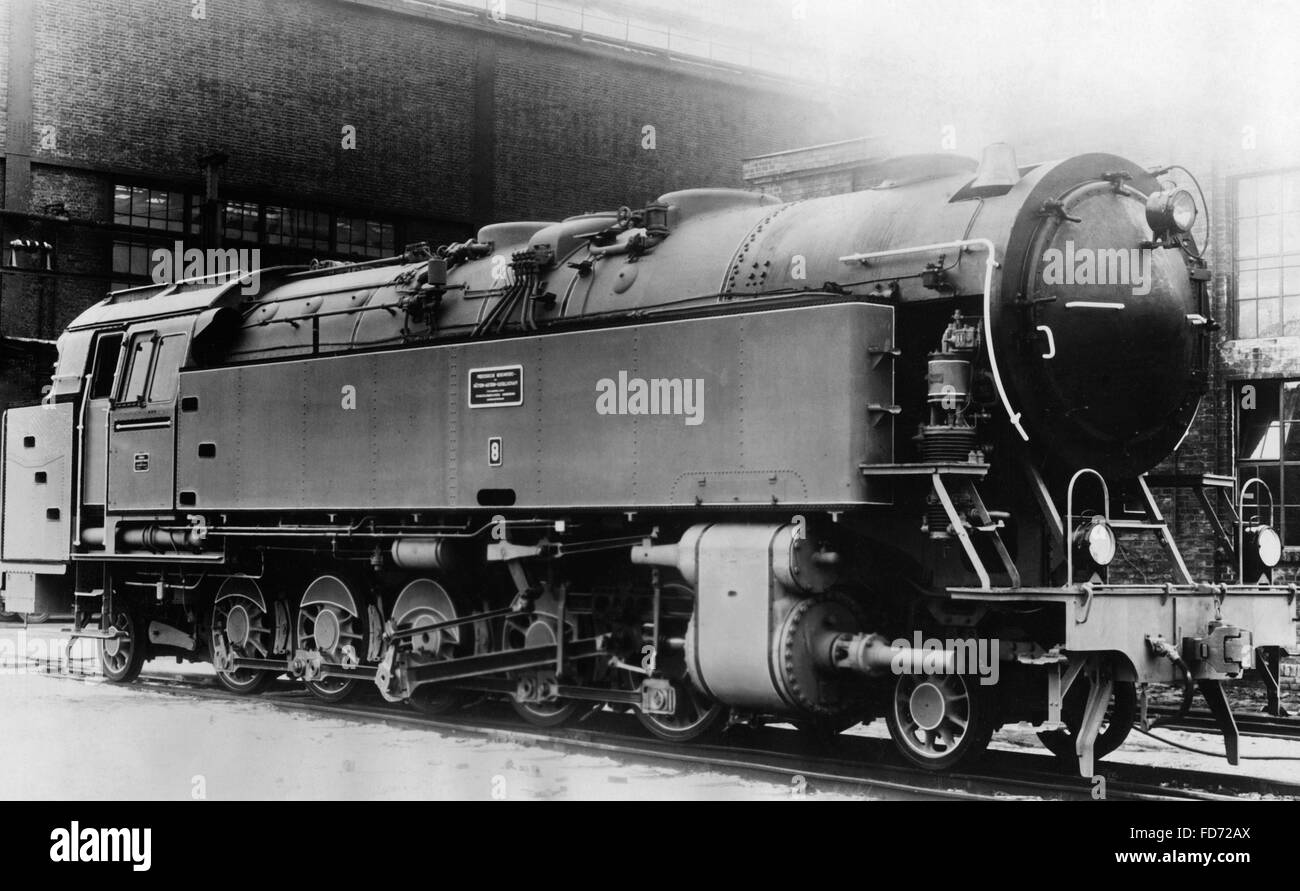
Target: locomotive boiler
715,458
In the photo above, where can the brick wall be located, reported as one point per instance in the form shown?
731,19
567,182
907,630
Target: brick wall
591,119
25,369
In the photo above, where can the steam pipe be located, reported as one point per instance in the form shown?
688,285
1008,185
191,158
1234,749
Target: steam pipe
871,654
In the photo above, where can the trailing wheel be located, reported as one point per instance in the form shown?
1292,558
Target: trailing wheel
332,627
1114,729
123,656
940,721
697,715
241,627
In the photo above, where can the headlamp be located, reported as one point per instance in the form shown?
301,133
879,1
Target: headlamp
1171,211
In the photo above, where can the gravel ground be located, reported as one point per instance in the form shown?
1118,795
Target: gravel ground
93,740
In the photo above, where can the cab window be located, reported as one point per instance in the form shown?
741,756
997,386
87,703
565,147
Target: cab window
139,355
166,366
107,349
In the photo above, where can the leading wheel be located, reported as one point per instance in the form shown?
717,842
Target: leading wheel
122,657
1115,726
940,721
696,716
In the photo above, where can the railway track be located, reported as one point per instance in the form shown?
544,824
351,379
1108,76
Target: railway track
1248,724
846,763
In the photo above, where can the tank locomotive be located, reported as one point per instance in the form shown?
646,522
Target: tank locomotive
716,458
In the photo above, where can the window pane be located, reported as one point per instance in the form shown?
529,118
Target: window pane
1269,234
1290,526
241,221
1291,191
1257,411
1246,238
1270,195
1270,317
1270,282
1256,499
1246,191
141,352
175,211
171,352
320,223
121,204
1247,285
1290,233
139,206
1247,325
139,259
106,353
277,221
1291,316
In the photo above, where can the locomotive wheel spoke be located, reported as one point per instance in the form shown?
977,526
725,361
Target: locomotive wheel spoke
329,629
237,623
122,657
939,721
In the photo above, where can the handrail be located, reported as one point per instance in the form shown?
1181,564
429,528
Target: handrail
1241,520
1069,516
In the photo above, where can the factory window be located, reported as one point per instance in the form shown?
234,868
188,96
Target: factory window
359,237
240,221
295,227
131,257
1268,447
1267,242
145,208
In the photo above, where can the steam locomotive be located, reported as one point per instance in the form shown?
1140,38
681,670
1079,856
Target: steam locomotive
719,458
